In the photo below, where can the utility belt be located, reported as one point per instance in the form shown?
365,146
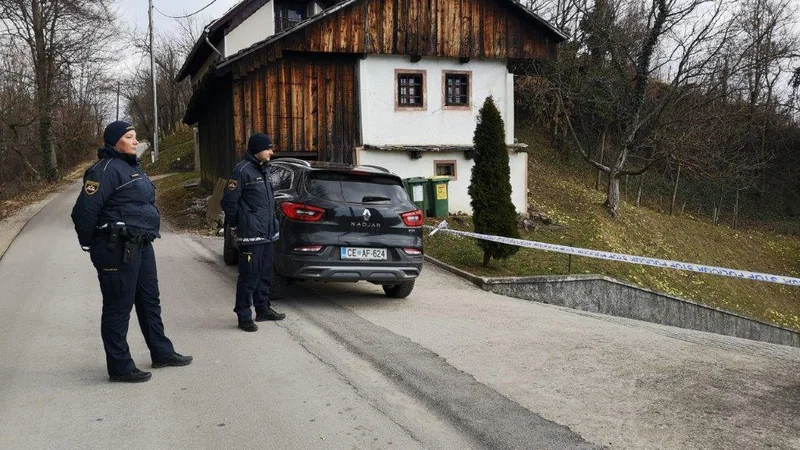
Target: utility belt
132,239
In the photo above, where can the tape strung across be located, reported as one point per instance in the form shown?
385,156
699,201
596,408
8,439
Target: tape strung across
621,257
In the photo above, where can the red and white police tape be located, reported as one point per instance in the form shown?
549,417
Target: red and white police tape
621,257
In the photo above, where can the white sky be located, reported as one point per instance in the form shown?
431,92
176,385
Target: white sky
133,19
134,12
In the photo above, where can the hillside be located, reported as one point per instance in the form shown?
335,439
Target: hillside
565,192
176,154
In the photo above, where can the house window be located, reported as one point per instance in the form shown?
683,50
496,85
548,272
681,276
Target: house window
289,14
447,168
456,87
410,89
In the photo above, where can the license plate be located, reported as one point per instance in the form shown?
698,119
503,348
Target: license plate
369,254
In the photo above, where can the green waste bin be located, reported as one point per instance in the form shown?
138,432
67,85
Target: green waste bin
417,189
438,195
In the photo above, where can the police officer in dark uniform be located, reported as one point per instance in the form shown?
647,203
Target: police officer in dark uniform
117,220
249,208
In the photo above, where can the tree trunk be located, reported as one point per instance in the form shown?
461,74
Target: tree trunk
486,258
675,191
626,188
44,69
639,194
46,144
736,211
612,202
602,151
28,164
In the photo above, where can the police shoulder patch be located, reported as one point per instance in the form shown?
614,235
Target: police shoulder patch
232,185
91,187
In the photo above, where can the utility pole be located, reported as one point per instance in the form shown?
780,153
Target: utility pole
154,152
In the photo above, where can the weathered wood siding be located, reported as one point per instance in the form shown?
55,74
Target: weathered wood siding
443,28
215,128
305,103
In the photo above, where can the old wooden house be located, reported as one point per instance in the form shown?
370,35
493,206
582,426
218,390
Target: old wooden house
395,83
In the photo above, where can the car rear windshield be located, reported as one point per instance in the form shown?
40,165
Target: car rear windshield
355,188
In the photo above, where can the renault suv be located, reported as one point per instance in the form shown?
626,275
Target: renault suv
340,222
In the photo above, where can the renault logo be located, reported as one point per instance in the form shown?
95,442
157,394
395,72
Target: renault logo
366,215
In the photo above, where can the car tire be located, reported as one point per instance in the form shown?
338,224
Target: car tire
401,290
278,286
229,252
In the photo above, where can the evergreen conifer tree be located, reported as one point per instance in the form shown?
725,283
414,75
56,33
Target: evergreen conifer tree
490,184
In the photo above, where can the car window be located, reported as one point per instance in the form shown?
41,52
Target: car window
280,178
351,188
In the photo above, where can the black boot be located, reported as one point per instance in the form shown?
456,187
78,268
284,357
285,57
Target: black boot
176,360
268,313
134,376
248,325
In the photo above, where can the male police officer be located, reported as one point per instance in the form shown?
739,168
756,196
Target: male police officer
250,209
117,220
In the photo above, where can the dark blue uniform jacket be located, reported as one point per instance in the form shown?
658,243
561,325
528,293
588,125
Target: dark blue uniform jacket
249,203
115,190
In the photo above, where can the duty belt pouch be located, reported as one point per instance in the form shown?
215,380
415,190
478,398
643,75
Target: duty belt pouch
113,239
131,247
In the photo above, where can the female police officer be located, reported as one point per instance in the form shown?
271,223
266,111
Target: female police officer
117,220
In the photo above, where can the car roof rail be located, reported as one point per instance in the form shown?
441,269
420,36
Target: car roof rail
302,162
382,169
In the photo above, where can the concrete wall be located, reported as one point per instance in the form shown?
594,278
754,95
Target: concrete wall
608,296
256,28
459,200
383,125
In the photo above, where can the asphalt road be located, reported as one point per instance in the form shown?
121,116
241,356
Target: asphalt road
449,367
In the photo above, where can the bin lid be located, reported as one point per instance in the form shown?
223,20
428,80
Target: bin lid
440,178
416,180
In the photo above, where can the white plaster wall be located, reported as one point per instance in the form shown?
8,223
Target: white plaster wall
459,200
257,27
382,125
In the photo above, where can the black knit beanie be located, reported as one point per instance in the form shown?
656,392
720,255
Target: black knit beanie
115,131
258,143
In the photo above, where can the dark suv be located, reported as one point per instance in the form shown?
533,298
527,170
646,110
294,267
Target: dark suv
342,223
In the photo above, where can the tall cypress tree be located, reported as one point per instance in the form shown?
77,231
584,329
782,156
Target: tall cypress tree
490,184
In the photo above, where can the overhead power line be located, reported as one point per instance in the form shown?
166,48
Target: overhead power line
187,15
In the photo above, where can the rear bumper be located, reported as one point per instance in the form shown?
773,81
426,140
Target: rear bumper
327,267
379,275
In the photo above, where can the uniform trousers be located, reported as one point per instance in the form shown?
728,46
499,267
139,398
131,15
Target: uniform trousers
123,286
255,279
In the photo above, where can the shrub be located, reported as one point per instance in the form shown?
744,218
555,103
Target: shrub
490,184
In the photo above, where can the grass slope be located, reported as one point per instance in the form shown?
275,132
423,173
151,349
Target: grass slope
175,154
566,194
183,209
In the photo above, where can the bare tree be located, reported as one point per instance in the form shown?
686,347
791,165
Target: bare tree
635,53
55,33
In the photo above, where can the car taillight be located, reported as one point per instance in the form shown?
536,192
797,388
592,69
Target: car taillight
301,212
308,248
413,218
412,251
